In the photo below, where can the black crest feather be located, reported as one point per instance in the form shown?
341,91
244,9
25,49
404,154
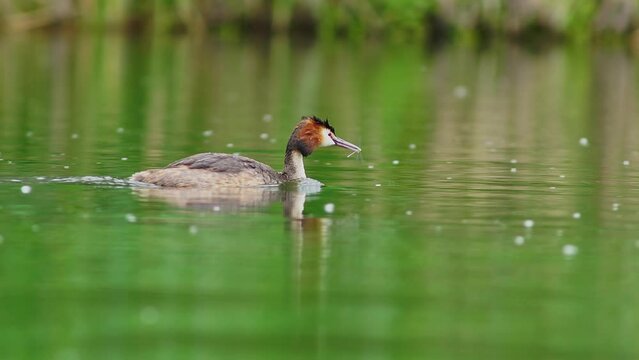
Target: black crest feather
321,122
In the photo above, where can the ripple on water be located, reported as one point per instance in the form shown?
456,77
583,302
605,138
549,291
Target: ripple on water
94,180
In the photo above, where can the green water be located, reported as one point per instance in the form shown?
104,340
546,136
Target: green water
425,254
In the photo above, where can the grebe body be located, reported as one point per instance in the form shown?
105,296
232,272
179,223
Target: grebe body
227,170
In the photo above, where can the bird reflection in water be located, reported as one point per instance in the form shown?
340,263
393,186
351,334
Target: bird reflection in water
237,199
310,235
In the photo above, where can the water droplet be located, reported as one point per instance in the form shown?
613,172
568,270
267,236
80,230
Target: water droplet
583,141
68,353
149,315
263,136
460,92
131,218
207,133
395,162
529,223
519,240
329,208
25,189
570,250
576,215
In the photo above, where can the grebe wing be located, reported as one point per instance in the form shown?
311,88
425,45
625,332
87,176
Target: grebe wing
219,162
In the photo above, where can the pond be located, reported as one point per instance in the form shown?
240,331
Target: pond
493,212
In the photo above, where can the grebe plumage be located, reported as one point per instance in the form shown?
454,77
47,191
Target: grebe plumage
219,169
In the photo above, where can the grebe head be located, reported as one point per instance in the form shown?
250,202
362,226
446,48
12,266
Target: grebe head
312,132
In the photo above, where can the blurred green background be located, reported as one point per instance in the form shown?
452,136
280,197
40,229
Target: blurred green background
423,253
434,19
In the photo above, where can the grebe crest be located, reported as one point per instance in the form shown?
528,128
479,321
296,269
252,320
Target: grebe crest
309,134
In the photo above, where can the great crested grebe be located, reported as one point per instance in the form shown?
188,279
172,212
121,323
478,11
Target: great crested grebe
218,169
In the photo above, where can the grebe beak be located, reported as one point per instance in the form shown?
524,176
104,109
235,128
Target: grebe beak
345,144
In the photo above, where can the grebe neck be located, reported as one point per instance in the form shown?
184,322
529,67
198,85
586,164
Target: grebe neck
293,165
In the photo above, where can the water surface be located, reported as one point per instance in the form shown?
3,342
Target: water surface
415,249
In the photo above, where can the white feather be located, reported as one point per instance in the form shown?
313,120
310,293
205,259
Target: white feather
326,139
